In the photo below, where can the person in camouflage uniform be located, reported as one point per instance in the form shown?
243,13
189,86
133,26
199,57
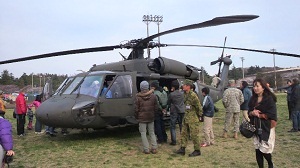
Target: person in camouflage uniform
232,99
191,120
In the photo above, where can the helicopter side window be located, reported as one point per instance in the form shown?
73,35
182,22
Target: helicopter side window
122,87
107,82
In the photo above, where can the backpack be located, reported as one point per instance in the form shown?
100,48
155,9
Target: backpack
163,99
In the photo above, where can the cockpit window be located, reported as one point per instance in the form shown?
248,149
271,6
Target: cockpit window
63,85
90,86
72,86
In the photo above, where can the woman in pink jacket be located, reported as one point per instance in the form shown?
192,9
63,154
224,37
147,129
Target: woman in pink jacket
36,104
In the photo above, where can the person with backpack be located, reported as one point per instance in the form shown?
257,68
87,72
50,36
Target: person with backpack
162,101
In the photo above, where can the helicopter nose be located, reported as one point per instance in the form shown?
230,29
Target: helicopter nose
56,111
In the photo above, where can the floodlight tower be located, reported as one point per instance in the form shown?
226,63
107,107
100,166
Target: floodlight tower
157,19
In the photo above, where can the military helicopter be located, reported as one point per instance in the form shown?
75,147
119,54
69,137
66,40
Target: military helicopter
104,96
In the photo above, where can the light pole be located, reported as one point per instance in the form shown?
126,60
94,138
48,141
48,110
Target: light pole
41,82
242,58
147,19
202,71
158,20
275,83
32,81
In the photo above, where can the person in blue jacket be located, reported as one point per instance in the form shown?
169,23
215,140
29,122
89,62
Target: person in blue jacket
208,114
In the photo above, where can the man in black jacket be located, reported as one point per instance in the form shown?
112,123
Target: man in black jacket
295,105
176,103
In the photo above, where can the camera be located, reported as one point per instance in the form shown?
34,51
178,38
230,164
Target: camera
8,159
259,131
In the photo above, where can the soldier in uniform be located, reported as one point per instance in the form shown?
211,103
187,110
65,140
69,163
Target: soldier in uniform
190,120
232,99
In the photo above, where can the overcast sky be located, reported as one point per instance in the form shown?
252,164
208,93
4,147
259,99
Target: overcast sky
36,27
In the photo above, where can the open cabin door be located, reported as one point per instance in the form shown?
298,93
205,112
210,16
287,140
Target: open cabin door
118,99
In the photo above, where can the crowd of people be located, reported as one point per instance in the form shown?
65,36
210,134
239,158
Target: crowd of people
258,107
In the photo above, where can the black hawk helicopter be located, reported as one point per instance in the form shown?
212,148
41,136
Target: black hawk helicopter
104,96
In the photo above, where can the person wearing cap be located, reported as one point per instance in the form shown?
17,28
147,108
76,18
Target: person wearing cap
191,120
2,103
145,107
6,139
162,101
176,103
232,100
21,109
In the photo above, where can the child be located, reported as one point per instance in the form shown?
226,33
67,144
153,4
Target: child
30,117
208,113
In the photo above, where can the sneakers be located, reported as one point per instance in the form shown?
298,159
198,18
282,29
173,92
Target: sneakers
195,153
38,133
21,135
204,145
146,152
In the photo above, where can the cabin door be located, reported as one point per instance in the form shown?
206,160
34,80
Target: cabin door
118,99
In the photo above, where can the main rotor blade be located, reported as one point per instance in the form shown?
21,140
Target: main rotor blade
61,53
235,48
214,22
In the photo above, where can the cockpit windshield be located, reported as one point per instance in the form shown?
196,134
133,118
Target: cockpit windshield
63,85
91,86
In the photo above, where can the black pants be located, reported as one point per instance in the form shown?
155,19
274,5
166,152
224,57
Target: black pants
260,159
160,130
20,123
290,109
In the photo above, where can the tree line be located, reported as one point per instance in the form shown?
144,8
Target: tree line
36,80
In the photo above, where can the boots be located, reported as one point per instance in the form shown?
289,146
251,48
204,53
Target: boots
225,134
29,126
235,136
195,153
181,151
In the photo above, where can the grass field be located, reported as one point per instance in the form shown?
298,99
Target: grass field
123,148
